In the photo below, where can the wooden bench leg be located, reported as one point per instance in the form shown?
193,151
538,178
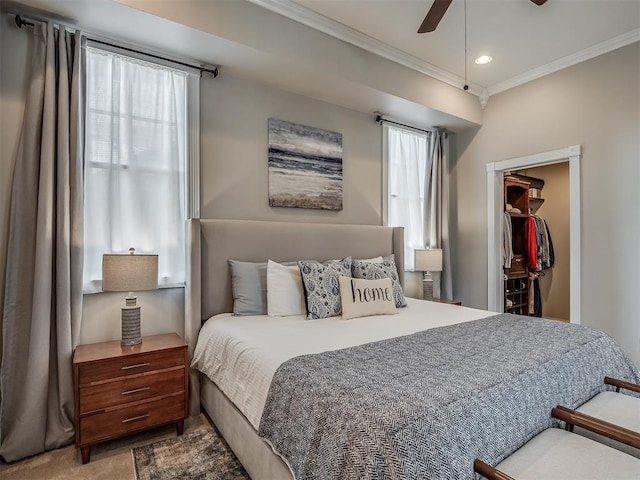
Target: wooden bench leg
180,427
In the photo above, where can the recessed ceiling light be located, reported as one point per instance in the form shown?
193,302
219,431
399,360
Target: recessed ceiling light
482,59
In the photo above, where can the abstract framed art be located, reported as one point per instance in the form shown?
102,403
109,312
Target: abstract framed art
305,166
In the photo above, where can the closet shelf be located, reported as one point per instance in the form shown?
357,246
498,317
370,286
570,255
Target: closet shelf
535,204
532,181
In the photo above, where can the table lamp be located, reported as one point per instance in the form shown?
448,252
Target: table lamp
428,260
129,273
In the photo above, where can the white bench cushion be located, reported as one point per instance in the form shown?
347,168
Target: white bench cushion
556,454
618,408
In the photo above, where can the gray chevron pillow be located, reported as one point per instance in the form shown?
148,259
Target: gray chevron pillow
322,289
386,269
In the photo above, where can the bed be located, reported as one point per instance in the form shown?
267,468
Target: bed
270,391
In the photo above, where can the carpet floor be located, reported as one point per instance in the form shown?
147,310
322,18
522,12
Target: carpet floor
198,455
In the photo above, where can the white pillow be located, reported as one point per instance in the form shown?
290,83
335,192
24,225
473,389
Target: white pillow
362,298
377,259
285,295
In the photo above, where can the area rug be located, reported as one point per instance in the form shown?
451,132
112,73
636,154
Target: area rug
198,455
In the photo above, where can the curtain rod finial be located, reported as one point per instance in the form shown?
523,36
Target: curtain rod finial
212,70
20,22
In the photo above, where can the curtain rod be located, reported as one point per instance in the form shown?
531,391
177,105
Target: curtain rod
380,119
211,71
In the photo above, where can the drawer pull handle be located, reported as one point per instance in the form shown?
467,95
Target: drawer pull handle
133,419
137,365
135,390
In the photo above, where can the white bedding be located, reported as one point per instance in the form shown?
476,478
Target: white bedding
241,354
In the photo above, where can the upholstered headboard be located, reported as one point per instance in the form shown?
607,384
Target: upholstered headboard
211,243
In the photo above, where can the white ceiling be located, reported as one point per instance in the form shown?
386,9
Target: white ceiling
252,43
525,40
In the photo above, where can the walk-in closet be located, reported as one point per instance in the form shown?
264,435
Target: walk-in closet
536,242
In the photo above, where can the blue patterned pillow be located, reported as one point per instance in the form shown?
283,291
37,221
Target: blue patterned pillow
386,269
322,289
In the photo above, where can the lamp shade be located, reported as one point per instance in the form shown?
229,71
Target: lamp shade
428,260
129,273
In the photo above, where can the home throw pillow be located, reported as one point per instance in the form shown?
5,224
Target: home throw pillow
321,286
362,298
386,269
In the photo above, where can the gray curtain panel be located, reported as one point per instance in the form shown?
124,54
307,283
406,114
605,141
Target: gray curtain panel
437,211
43,290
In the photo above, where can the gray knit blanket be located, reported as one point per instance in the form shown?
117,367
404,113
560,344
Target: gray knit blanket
424,406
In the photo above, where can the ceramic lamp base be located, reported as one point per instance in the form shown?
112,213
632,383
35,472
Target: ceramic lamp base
427,286
131,323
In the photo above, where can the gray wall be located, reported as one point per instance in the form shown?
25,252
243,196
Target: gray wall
595,104
234,174
234,181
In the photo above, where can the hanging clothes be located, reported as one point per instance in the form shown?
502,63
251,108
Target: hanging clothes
532,277
507,244
537,298
552,255
532,244
539,241
545,257
544,260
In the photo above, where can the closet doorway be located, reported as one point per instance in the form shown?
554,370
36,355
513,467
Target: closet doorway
549,205
563,301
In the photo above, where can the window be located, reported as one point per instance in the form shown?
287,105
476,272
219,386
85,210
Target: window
136,163
406,158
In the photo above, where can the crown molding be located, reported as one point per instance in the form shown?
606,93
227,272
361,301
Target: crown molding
564,62
335,29
310,18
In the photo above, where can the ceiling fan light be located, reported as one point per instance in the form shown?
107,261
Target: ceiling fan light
483,59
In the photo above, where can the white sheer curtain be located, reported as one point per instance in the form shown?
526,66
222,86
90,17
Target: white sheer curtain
408,165
135,154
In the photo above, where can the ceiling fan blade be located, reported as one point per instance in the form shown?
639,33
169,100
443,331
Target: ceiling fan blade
539,2
434,15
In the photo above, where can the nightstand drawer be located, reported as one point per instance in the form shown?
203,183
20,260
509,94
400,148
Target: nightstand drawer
130,365
116,422
130,389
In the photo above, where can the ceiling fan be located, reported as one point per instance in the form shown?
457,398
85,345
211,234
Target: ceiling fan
437,11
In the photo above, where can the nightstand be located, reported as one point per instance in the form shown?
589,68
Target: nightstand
444,300
120,390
